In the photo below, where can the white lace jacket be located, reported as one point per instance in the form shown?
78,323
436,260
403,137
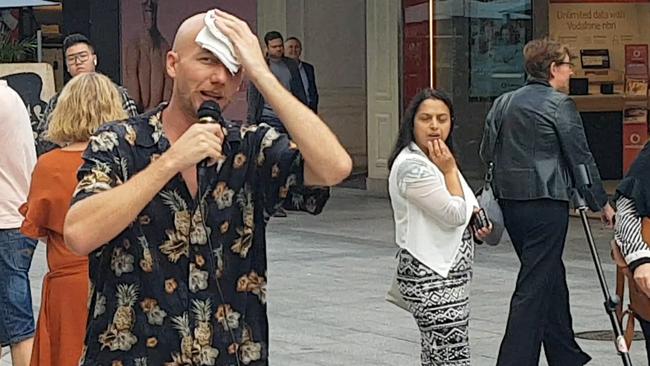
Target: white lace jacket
429,221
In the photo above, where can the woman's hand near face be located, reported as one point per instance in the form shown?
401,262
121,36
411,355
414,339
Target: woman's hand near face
441,156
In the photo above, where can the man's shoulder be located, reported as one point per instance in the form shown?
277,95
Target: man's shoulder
258,137
255,132
288,61
143,130
137,122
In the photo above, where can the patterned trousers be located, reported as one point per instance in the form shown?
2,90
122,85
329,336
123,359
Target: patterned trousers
440,306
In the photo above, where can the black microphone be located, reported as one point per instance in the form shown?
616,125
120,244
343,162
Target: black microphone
209,112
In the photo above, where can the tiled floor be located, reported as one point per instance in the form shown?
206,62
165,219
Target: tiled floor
328,275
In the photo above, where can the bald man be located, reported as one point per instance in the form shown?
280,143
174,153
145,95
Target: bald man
178,265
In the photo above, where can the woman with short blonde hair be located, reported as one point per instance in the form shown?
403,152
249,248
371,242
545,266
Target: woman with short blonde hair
87,102
76,116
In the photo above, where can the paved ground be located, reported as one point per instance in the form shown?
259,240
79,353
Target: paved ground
328,275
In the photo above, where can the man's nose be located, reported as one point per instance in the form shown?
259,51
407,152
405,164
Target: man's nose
219,74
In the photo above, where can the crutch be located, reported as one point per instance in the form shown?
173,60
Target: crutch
582,182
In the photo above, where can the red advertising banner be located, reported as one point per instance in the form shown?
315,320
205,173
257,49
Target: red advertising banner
636,61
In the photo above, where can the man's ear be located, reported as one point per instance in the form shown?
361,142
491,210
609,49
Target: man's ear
171,63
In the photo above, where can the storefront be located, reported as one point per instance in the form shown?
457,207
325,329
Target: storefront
371,56
476,55
610,41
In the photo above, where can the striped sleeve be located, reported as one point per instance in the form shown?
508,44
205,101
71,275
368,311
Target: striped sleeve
128,104
627,231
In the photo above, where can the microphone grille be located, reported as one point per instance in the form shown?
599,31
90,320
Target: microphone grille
209,108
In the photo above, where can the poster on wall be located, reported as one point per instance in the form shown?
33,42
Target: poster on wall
498,33
147,32
636,60
34,82
595,24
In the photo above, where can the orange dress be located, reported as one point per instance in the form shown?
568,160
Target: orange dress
61,324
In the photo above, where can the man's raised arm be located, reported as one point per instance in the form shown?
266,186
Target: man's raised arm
326,161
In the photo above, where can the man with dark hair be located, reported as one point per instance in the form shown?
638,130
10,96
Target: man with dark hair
80,57
293,50
274,44
287,72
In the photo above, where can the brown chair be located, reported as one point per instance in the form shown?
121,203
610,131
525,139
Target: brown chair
639,303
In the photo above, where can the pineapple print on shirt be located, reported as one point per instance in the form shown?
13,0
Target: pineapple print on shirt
118,336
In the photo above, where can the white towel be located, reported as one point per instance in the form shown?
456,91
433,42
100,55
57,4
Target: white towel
213,40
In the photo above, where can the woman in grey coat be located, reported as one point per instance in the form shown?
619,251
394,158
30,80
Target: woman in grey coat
534,137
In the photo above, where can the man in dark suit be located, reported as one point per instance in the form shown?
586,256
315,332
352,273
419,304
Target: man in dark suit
293,50
286,71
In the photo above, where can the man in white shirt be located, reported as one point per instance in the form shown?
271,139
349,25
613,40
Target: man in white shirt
17,160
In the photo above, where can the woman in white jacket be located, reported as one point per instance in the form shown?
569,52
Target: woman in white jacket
432,206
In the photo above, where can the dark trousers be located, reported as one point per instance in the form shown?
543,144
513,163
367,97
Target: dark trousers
539,308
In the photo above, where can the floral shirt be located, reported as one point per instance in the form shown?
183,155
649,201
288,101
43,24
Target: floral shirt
185,283
44,145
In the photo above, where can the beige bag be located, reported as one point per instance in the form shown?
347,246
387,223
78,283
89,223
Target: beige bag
393,295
